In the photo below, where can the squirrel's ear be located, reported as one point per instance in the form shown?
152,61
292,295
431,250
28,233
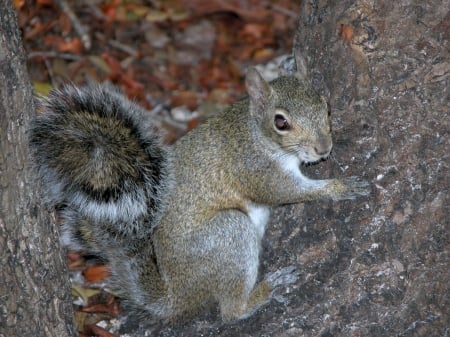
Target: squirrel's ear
257,87
300,62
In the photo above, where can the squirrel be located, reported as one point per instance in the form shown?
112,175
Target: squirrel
181,226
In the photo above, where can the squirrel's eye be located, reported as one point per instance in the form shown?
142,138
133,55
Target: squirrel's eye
281,123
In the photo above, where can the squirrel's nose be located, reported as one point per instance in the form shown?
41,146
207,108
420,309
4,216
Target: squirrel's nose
321,152
323,149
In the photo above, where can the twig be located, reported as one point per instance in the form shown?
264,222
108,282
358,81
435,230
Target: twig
53,54
81,30
123,47
285,11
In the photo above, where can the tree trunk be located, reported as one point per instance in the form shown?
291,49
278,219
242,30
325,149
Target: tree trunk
379,267
34,287
375,266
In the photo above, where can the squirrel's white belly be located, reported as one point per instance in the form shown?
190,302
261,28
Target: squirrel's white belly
259,216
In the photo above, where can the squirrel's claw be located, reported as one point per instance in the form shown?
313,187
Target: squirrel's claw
354,187
280,278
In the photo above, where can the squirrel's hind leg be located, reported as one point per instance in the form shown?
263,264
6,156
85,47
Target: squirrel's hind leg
238,293
236,263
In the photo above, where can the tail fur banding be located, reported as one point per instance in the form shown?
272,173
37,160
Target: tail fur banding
98,153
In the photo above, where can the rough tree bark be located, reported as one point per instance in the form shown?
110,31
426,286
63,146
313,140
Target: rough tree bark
386,66
377,266
34,287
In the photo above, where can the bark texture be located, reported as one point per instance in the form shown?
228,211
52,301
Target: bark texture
377,266
34,287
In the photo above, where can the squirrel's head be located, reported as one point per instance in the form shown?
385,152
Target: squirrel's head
291,114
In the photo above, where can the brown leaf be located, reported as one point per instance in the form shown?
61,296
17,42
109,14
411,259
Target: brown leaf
110,9
80,318
346,32
255,11
131,85
64,45
99,308
71,46
188,99
254,30
65,24
75,260
96,273
103,302
262,55
37,29
44,2
193,123
113,63
19,4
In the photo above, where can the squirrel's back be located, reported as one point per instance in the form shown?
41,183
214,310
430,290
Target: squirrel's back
99,157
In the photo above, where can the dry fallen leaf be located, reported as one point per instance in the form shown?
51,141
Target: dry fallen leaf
83,292
96,273
346,32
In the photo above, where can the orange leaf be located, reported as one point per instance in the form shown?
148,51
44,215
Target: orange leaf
254,30
96,273
112,63
19,4
45,2
110,9
72,46
130,83
346,32
264,54
187,98
193,123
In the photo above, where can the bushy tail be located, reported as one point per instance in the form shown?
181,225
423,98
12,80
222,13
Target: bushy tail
101,164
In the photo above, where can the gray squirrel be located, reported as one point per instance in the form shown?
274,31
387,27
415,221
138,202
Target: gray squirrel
181,226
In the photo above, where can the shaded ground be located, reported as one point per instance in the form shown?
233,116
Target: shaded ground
167,54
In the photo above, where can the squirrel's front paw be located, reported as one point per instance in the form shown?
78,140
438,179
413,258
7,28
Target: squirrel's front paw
352,188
